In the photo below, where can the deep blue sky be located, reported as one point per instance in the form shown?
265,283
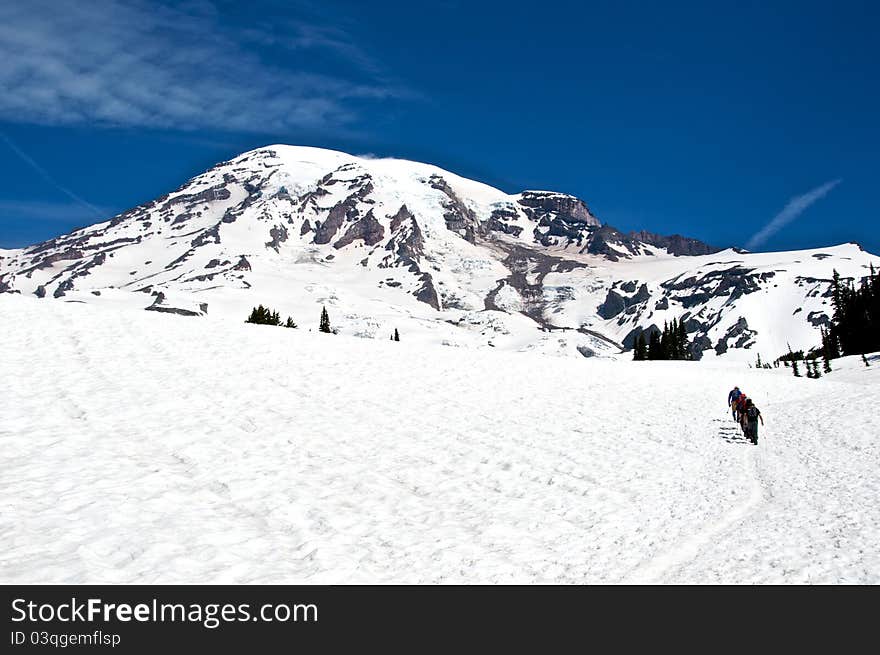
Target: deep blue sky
702,118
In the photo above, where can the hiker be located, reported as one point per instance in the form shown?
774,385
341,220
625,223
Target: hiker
734,394
752,416
739,407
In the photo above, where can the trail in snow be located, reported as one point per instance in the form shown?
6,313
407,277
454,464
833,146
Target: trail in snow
673,564
152,448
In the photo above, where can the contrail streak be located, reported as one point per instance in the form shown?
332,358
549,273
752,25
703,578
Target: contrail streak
795,207
45,175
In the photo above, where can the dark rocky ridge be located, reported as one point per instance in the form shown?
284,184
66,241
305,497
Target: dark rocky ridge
549,205
675,244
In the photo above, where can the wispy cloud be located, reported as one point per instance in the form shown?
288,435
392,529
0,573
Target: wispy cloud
795,207
150,64
301,35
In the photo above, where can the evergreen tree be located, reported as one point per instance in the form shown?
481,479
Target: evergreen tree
865,359
683,345
640,351
290,323
816,372
794,368
830,345
654,346
324,325
675,351
396,335
826,351
665,342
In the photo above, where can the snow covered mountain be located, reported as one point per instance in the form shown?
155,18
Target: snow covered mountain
387,243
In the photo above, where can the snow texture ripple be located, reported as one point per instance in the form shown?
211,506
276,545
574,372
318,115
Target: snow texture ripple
140,447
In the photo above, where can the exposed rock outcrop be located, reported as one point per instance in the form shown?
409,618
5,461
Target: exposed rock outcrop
459,218
278,235
367,229
540,205
675,244
615,303
739,333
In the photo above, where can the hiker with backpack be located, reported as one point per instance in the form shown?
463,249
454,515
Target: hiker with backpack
750,419
739,408
732,397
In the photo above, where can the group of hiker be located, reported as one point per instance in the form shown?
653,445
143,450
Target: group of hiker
745,413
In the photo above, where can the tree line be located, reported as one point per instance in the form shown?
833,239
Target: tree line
265,316
855,325
261,315
854,328
671,343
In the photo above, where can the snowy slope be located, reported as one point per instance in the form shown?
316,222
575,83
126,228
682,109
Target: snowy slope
142,447
390,244
735,304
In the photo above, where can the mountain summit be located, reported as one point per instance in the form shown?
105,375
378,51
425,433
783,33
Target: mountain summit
391,244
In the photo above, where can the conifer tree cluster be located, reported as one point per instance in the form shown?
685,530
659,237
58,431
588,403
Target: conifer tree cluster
855,326
672,343
813,368
791,356
640,349
265,316
324,325
395,336
810,363
794,357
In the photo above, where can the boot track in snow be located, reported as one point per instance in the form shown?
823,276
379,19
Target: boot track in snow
659,568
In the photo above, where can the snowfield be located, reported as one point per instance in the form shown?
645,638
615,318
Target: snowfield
140,447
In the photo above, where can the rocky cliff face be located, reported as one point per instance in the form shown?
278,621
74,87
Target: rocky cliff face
413,243
675,244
